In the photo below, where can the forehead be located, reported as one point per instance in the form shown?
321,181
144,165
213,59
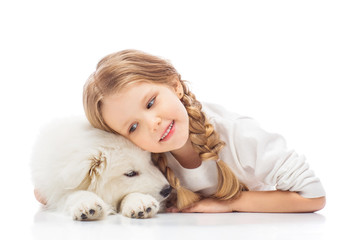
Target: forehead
121,104
129,94
132,93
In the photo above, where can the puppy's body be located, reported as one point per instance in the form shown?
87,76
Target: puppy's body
90,173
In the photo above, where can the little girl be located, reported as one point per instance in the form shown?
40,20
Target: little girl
217,161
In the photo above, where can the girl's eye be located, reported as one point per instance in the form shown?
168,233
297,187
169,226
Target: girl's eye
133,127
152,101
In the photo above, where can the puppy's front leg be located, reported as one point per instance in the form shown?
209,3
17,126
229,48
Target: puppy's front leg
86,206
138,205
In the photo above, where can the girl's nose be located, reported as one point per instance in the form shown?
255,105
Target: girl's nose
156,122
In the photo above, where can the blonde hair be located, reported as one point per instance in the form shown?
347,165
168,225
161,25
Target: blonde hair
120,69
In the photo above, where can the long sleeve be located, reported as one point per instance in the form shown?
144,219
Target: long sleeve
261,159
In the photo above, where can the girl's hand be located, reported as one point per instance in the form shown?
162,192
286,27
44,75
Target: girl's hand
209,205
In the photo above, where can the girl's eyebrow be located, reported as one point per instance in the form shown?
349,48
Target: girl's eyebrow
146,96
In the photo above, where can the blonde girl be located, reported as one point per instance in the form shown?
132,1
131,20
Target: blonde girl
216,161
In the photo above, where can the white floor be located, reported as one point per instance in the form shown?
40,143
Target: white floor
183,226
25,219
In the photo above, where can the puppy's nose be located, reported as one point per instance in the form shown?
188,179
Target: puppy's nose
166,191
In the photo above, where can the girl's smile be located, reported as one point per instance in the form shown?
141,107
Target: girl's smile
150,115
168,132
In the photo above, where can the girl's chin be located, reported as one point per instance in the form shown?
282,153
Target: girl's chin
182,144
173,147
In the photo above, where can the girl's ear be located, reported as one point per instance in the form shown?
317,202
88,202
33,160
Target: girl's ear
179,90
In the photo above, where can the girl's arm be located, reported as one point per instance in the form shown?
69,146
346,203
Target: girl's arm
266,201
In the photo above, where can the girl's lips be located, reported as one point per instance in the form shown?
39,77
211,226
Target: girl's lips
167,134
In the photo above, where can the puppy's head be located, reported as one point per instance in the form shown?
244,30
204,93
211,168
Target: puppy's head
118,168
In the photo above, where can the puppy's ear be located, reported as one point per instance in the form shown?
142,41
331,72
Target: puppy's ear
97,167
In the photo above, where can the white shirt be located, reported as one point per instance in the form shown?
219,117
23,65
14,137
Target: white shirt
259,159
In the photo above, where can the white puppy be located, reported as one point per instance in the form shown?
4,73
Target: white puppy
90,173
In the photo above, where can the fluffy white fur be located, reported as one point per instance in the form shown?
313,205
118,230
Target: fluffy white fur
89,173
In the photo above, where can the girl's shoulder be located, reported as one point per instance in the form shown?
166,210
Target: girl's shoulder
231,123
216,111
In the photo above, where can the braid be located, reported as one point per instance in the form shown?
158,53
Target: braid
185,197
202,135
208,145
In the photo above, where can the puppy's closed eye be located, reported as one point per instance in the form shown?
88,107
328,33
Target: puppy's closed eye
131,173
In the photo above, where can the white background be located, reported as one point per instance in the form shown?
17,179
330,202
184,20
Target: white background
292,65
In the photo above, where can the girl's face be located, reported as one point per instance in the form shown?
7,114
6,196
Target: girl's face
150,115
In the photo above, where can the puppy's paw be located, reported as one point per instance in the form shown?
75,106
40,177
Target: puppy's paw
87,206
138,205
88,211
